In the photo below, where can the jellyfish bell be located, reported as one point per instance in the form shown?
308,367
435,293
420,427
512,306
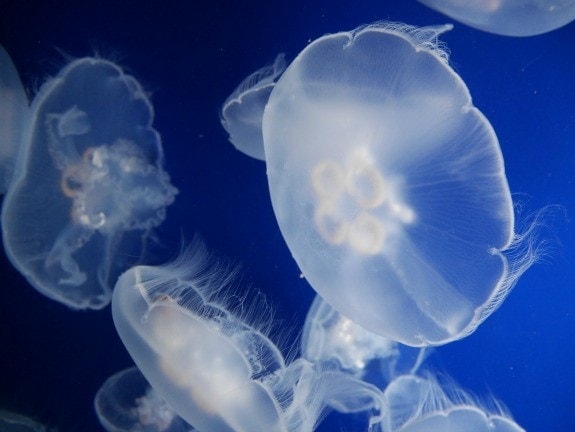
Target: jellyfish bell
508,17
242,111
211,363
332,338
89,182
127,403
423,404
14,422
14,116
389,186
198,355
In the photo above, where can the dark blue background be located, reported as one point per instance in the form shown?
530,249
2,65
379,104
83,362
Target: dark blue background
190,55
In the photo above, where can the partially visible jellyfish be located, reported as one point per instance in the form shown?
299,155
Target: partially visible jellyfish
216,369
418,404
329,337
88,184
127,403
13,422
242,111
389,185
508,17
14,116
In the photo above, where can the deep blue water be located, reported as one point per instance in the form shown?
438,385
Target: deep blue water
190,55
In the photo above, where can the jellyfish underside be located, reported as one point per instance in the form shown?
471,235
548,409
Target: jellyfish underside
93,163
508,17
127,403
388,184
213,367
407,397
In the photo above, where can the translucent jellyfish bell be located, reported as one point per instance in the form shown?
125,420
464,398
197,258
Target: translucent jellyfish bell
330,337
88,182
508,17
127,403
389,186
14,116
417,404
218,371
243,110
13,422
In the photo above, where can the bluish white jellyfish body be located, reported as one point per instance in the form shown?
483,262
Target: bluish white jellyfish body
216,370
89,181
329,337
14,116
408,399
14,422
417,404
127,403
508,17
389,186
243,110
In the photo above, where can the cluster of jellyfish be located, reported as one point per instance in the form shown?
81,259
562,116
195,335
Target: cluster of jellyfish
388,186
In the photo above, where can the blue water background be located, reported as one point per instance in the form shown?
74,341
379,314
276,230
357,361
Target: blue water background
190,55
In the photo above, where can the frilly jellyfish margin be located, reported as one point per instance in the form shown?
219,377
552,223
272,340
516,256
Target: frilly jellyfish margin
88,181
215,368
508,17
389,186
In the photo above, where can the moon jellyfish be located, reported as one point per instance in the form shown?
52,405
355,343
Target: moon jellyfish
417,404
243,110
330,337
127,403
217,369
88,183
389,186
13,422
508,17
14,115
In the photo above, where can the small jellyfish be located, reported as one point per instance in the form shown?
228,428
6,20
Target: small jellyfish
389,185
14,116
417,404
127,403
330,337
13,422
508,17
243,110
88,183
218,370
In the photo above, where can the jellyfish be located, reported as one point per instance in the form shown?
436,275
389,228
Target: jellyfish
389,185
211,362
423,404
127,403
14,422
89,184
242,111
508,17
332,338
14,116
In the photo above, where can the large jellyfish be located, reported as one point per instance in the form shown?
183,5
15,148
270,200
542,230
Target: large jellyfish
88,184
127,403
508,17
218,371
14,116
389,186
243,110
